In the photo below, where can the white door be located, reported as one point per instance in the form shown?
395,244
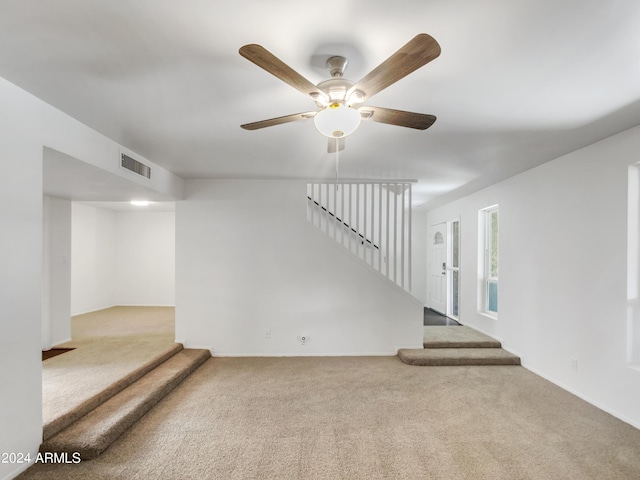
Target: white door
437,268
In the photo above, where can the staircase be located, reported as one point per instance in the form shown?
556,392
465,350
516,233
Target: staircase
371,219
93,426
457,345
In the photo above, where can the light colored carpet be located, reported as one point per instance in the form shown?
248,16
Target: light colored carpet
456,345
436,357
123,321
109,345
456,337
364,418
97,430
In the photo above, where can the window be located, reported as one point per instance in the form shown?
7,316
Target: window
488,260
633,267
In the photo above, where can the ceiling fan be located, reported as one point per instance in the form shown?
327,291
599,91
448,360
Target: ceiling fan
340,100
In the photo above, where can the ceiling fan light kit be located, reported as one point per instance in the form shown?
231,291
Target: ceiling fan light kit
339,99
337,120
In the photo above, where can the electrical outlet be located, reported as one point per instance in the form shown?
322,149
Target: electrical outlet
267,333
574,364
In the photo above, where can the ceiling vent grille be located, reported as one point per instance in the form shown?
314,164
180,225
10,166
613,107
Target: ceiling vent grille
135,166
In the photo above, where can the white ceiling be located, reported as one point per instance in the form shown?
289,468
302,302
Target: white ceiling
67,177
518,83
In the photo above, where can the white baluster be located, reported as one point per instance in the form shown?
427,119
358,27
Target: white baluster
342,214
313,205
364,223
410,207
387,259
395,232
357,226
373,206
380,228
335,212
402,240
350,222
327,217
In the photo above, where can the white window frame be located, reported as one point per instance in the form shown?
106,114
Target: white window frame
633,267
485,242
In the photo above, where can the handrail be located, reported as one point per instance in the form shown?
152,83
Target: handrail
344,223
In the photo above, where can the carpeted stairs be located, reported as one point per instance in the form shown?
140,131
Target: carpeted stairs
90,428
457,345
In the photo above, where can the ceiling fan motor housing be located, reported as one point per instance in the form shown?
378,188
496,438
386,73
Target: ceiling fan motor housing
336,66
336,90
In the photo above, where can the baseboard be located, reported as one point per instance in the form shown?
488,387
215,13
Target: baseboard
121,305
513,352
587,399
298,354
94,310
288,354
194,347
145,305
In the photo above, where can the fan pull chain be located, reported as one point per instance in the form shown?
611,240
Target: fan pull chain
337,162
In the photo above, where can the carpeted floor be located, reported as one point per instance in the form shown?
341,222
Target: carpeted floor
436,336
123,321
364,418
108,345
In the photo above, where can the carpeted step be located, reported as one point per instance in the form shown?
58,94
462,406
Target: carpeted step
457,337
55,425
93,433
457,356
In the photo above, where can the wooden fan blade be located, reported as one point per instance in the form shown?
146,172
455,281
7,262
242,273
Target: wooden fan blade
419,121
418,52
331,145
296,117
272,64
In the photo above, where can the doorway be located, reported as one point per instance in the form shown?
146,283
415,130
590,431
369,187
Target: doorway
443,269
97,254
437,268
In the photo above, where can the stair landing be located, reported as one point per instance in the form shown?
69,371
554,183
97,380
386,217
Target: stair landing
94,432
457,345
457,356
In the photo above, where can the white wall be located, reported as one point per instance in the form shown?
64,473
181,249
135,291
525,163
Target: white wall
121,258
26,126
563,270
20,287
93,258
145,258
247,261
56,312
419,256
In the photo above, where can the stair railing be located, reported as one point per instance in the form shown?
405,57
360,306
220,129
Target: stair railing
371,219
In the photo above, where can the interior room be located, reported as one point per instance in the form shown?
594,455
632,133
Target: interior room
427,268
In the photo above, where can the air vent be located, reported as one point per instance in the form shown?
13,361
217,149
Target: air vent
135,166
